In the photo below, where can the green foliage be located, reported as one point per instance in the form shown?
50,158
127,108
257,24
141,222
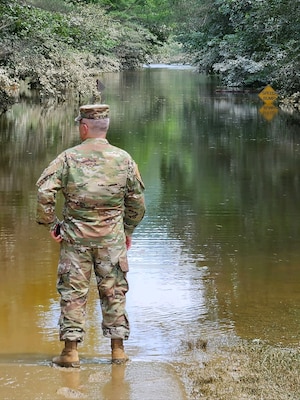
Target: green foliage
66,44
53,5
249,42
246,43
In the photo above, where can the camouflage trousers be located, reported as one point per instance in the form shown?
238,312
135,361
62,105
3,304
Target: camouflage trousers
74,273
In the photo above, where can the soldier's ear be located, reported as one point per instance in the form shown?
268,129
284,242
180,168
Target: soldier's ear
84,129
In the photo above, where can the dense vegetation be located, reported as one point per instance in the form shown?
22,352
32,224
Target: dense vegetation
249,42
59,45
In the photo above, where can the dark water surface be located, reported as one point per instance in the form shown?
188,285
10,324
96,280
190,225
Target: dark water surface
217,255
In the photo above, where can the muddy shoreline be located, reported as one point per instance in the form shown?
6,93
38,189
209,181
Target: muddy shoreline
249,370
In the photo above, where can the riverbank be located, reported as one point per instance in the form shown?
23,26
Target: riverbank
250,371
62,46
65,48
12,89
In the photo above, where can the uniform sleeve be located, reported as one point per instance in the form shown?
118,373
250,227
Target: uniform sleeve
49,183
134,200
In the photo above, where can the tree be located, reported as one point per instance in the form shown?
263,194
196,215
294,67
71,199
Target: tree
250,42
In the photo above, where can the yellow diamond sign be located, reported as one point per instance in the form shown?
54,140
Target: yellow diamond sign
268,95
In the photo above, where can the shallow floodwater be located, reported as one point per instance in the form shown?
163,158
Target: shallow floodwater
217,256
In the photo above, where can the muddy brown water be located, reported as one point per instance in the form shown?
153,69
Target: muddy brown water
217,256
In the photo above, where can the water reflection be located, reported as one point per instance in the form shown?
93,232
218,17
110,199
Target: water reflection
118,387
217,254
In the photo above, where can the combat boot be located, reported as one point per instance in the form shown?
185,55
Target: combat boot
69,356
118,355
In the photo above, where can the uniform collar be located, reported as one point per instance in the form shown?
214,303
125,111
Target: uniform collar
98,140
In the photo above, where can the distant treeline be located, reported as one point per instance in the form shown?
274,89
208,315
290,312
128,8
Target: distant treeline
59,44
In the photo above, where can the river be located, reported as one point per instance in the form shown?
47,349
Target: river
217,255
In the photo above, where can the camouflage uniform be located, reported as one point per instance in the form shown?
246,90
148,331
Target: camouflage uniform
104,202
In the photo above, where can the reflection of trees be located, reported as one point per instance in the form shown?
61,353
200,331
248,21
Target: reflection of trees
30,137
232,192
232,176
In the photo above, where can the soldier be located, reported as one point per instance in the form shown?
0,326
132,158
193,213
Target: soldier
104,202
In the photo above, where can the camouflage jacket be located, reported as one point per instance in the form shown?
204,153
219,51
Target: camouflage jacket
103,194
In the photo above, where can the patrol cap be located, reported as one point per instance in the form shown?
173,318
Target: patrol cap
93,111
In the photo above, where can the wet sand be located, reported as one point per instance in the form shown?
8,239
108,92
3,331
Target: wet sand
97,380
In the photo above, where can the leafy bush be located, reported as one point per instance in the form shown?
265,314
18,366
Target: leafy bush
65,45
241,71
8,91
247,42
